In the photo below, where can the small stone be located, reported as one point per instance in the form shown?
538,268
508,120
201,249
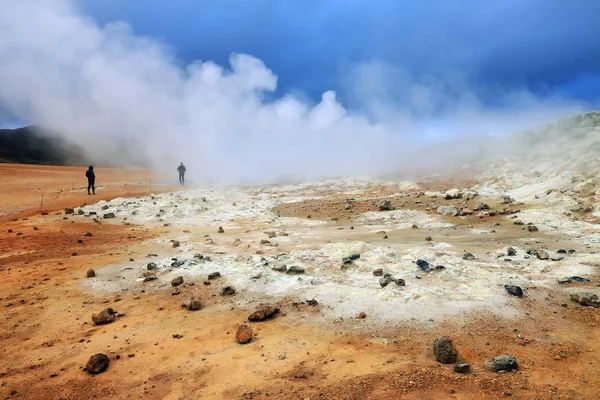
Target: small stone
177,336
177,281
532,228
586,299
378,272
97,363
175,292
428,239
295,270
468,256
362,315
450,211
385,205
444,350
228,291
511,252
423,265
262,313
243,334
105,316
502,363
192,304
88,234
175,243
221,230
280,268
108,215
462,368
90,273
214,275
69,211
542,255
514,290
151,266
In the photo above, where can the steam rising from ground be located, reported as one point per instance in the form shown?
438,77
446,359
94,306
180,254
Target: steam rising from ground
93,83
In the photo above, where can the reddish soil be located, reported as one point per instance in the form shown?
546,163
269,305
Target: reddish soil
48,336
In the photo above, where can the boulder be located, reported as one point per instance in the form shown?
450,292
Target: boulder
586,299
97,363
444,350
448,211
192,304
243,334
502,363
385,205
177,281
105,316
263,312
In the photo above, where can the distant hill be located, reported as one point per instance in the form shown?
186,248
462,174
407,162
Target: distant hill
34,145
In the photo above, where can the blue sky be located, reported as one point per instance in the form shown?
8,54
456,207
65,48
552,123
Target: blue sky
546,46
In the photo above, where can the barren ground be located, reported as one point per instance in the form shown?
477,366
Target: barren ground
305,352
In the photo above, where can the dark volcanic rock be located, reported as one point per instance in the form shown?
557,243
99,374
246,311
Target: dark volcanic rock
243,334
532,228
444,350
263,312
69,211
177,281
90,273
586,299
109,215
151,266
511,252
423,265
228,291
502,363
221,230
192,304
514,290
462,368
97,363
104,317
214,275
468,256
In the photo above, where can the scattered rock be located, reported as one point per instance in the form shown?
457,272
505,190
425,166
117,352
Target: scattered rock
428,239
90,273
262,313
280,268
312,302
97,363
502,363
586,299
243,334
295,270
423,265
192,304
386,280
468,256
151,266
511,252
177,263
462,368
378,272
214,275
448,211
150,278
362,315
532,228
542,255
514,290
444,350
221,230
175,292
105,316
228,291
69,211
177,281
88,234
176,243
177,336
466,211
108,215
385,205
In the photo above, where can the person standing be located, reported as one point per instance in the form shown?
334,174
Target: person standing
91,177
181,170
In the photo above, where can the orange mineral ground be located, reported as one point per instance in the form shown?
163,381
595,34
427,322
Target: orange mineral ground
161,350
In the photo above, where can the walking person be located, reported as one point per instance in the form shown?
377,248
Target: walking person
181,170
91,177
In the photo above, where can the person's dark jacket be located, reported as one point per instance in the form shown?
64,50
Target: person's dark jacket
181,169
90,174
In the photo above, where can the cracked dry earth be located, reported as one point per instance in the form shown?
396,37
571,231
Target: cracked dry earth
316,347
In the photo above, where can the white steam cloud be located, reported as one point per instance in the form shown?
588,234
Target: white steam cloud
60,69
